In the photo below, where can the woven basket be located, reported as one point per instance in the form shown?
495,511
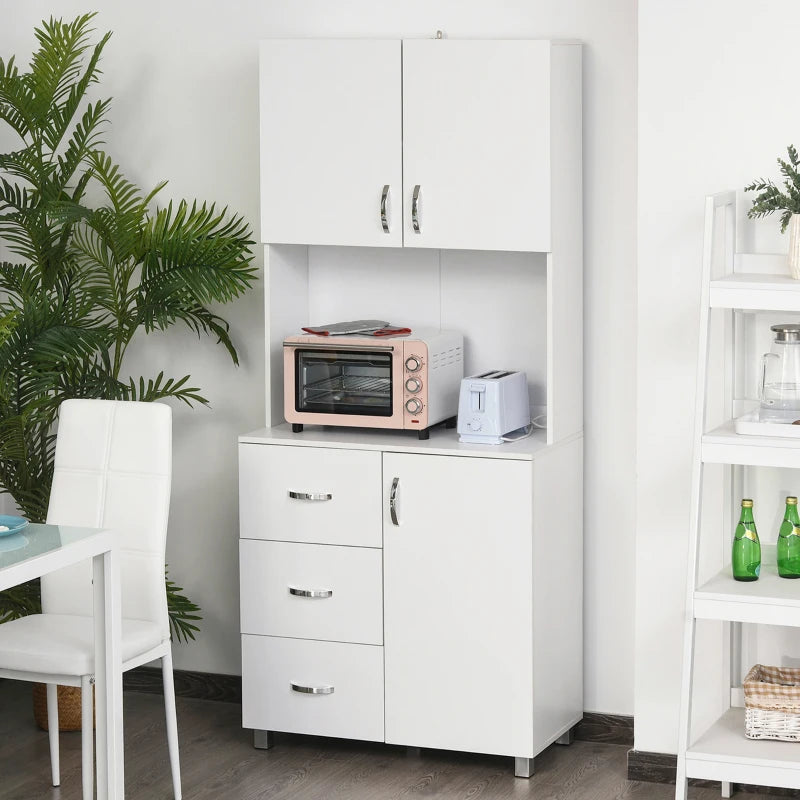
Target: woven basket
772,703
69,707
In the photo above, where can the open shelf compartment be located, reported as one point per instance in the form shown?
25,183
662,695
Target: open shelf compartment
724,753
771,600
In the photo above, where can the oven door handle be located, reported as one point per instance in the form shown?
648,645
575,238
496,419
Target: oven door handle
343,347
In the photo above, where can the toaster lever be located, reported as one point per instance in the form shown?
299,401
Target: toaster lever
477,394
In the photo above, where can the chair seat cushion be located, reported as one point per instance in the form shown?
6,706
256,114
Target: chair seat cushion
62,644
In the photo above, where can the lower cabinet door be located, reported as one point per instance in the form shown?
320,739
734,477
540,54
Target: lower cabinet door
458,603
320,688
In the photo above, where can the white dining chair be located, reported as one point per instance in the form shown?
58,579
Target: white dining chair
113,467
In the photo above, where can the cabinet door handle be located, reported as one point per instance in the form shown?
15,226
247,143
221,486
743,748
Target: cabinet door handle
310,592
316,496
415,209
298,687
384,202
393,502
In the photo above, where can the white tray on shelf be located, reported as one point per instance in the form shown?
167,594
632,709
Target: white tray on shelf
751,424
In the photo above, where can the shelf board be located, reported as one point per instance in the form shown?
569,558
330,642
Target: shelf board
724,753
724,446
771,600
442,441
755,292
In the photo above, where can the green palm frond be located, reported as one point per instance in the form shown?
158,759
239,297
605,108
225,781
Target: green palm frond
85,277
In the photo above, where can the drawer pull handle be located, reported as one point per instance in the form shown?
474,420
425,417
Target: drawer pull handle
298,687
316,496
310,592
393,502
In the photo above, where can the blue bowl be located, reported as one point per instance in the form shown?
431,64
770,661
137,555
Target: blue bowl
14,524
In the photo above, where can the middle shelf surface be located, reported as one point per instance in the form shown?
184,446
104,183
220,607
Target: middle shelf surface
723,445
724,753
771,600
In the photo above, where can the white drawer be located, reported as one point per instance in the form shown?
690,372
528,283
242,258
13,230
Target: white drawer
352,673
348,582
338,495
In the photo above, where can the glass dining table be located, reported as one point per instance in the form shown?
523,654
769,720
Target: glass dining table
39,549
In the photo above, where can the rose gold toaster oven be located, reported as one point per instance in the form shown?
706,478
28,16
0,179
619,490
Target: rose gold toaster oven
409,383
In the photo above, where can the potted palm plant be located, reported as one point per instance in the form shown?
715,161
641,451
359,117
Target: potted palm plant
771,198
81,277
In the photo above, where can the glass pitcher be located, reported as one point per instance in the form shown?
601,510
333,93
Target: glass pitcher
779,388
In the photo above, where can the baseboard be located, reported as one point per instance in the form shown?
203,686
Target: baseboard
200,685
661,768
608,728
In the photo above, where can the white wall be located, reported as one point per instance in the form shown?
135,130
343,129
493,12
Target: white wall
716,107
184,78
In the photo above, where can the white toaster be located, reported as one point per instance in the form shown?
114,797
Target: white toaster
492,405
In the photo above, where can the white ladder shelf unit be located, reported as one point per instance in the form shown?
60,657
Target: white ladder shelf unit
734,283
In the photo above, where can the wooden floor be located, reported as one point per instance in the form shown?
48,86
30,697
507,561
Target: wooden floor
219,763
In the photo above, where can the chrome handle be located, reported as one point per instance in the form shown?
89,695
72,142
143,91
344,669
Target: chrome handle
310,592
316,496
415,209
384,200
298,687
393,502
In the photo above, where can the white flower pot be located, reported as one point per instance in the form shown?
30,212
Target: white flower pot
794,246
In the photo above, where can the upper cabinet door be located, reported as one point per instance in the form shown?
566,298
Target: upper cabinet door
331,140
476,144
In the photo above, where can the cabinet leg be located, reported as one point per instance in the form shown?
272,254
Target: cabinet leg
727,789
297,427
263,740
523,767
566,738
426,434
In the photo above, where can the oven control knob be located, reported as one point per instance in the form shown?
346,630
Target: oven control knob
413,363
414,405
475,425
413,385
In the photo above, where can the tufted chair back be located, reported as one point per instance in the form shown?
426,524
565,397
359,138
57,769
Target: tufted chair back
113,468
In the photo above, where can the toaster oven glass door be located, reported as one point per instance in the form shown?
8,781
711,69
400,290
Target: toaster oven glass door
343,382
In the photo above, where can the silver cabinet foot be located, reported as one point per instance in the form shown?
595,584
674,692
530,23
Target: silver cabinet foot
727,789
523,767
566,738
263,740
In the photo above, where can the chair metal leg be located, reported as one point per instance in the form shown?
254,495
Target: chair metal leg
87,737
52,729
172,723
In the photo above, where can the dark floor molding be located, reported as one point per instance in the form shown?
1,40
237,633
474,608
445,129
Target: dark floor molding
661,767
200,685
607,728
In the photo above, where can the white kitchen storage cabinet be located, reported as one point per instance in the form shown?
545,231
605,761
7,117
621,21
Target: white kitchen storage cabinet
425,143
424,593
747,290
478,586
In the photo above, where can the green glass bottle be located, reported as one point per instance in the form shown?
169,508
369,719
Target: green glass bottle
789,542
746,555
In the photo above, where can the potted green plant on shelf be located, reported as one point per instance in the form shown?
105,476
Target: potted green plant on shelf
771,198
91,262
